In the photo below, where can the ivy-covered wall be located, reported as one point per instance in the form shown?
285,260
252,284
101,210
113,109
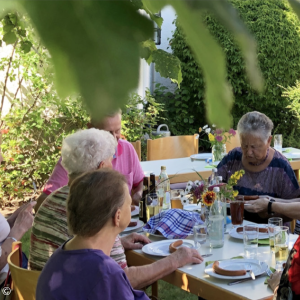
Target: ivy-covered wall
277,31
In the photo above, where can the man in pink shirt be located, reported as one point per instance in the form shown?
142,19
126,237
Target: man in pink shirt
125,161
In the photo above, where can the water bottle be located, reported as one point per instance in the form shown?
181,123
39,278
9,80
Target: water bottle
223,200
213,178
163,189
216,222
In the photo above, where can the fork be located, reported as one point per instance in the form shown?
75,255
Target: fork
251,272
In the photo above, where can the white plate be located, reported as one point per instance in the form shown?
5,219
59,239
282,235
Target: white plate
258,267
201,156
138,225
192,207
292,155
136,211
161,248
161,236
233,233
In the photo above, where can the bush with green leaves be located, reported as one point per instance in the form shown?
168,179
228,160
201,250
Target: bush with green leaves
277,31
138,123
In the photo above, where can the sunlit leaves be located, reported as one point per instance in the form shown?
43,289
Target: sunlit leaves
167,65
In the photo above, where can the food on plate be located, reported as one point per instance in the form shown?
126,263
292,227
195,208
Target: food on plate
173,246
260,230
132,224
224,272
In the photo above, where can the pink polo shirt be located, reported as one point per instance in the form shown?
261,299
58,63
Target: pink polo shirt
125,161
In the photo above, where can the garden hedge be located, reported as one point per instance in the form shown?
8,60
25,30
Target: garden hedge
277,31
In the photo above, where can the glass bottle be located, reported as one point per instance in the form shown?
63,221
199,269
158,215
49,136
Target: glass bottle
163,189
143,209
216,222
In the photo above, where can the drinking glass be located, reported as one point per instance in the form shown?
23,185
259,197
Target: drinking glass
278,142
281,240
200,234
251,240
152,205
272,223
175,199
237,211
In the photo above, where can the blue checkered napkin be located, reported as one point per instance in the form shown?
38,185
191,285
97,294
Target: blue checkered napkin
173,223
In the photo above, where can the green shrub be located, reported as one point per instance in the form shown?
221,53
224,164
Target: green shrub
138,122
276,29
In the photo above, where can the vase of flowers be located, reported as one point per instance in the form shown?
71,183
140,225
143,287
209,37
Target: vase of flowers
208,199
217,139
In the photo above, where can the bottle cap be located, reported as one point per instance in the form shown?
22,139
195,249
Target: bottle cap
163,168
216,189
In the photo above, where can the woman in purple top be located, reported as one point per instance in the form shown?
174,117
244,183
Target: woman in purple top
81,268
267,172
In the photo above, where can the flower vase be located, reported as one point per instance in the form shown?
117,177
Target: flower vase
218,152
205,210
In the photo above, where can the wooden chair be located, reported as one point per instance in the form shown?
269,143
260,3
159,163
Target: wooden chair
24,281
172,147
233,143
137,147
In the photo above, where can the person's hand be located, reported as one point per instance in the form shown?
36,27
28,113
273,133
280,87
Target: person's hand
257,206
274,280
184,256
11,220
134,241
136,198
23,221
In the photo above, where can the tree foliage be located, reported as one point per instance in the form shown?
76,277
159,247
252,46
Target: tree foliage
276,30
94,46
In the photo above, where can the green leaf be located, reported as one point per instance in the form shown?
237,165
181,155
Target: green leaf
21,32
8,28
228,15
101,59
0,43
13,18
211,58
9,38
167,65
26,46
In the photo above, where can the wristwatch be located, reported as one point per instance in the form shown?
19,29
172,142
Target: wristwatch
270,212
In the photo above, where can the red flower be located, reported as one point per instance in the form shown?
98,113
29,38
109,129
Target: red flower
4,131
219,138
208,198
232,131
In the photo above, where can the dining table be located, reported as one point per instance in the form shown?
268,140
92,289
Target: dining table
186,168
193,279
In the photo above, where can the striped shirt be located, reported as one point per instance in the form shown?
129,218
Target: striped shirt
50,230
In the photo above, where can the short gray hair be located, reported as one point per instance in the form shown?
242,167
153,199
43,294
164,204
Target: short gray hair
84,150
255,123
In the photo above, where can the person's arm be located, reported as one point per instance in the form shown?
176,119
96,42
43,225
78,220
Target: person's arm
137,193
21,225
39,201
143,276
289,210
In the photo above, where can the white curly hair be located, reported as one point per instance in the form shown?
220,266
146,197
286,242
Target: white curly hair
85,149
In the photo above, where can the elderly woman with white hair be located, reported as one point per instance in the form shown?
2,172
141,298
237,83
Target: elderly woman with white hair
89,150
267,171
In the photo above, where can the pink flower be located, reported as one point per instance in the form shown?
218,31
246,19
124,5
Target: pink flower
218,131
219,138
232,131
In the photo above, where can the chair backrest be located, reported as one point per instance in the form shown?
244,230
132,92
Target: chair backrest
24,281
137,147
233,143
172,147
